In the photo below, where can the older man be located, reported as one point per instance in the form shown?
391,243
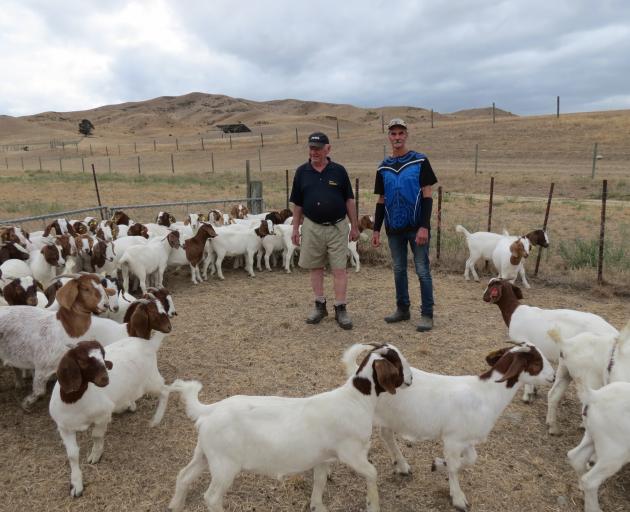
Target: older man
322,195
403,185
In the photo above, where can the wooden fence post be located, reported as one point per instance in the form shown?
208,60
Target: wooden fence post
431,118
259,160
83,165
6,161
476,156
212,160
544,227
286,183
230,141
40,163
382,123
172,164
337,119
594,160
203,148
439,223
106,151
600,263
296,139
177,144
135,148
139,171
22,161
262,140
60,165
493,114
154,145
247,182
109,165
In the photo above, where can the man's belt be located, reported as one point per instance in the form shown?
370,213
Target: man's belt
333,222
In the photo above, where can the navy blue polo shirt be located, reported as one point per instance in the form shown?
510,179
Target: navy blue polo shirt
322,195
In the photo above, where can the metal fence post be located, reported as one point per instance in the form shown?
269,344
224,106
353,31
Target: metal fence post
490,204
439,223
600,263
476,156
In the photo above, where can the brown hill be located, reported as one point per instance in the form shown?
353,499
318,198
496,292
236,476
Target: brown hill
196,113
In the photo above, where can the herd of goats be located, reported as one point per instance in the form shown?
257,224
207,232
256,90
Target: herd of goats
67,314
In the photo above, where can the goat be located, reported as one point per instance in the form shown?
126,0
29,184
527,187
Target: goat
34,338
239,211
144,260
459,410
22,291
121,218
508,255
481,245
44,263
13,251
60,226
607,423
194,248
291,435
164,219
229,242
138,230
531,324
74,405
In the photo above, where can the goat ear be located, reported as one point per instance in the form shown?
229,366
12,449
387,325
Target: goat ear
69,373
130,311
139,325
108,364
386,375
493,357
517,291
68,293
519,363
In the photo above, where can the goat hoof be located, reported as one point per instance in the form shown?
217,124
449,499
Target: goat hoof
76,492
553,430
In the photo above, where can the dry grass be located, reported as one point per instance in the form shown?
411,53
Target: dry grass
265,348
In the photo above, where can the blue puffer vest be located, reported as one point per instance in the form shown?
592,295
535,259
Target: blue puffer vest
401,180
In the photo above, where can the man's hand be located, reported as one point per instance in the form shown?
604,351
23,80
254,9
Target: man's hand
295,236
354,233
376,238
422,236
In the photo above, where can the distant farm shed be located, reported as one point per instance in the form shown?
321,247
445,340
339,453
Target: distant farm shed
233,128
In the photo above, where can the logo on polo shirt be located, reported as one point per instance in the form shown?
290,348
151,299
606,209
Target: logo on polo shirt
333,183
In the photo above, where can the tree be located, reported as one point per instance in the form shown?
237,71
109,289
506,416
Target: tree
86,127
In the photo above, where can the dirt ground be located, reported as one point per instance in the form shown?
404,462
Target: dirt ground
247,336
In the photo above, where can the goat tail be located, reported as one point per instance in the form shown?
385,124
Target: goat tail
189,391
349,358
461,229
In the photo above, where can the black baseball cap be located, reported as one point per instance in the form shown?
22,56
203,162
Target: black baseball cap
318,139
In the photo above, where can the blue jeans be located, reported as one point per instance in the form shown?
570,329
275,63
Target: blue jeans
398,248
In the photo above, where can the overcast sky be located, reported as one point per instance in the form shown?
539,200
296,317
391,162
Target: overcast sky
450,55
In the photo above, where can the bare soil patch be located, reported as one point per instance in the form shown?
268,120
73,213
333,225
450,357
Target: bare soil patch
247,336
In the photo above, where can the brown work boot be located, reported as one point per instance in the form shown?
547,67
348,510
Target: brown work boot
342,317
318,313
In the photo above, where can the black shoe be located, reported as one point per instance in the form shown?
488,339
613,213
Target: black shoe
401,313
342,317
318,313
425,324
